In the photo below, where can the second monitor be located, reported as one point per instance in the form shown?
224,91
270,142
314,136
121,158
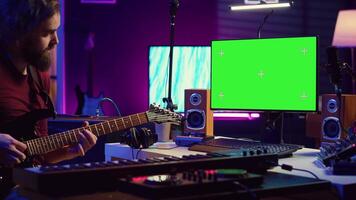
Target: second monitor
277,74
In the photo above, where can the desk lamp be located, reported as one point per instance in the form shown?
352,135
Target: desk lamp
345,37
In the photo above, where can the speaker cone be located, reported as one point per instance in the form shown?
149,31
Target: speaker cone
195,119
331,128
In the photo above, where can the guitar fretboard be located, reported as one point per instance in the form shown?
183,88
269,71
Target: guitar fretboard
50,143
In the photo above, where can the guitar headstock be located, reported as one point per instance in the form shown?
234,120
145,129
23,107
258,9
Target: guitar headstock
160,115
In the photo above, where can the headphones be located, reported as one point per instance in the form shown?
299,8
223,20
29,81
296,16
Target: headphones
138,138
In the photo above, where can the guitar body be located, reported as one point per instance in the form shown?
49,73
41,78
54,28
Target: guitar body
23,129
87,104
91,104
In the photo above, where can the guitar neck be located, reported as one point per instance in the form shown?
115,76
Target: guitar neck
50,143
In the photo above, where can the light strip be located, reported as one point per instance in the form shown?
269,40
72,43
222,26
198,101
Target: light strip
236,115
260,6
98,1
61,67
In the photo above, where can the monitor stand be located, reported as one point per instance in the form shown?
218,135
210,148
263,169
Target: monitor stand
273,128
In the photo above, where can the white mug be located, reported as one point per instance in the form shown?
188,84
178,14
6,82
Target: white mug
163,130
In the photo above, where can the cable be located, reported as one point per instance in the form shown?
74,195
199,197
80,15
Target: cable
271,122
346,67
263,23
290,168
281,134
138,151
132,153
98,108
252,195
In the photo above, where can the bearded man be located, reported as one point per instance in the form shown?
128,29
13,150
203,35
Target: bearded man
28,34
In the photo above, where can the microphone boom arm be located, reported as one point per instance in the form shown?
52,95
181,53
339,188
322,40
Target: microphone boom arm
173,11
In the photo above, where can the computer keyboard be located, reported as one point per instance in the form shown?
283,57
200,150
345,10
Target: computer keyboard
226,145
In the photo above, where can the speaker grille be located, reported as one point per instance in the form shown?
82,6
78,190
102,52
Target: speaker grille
331,128
195,119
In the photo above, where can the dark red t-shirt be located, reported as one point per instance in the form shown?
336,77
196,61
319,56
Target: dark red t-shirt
16,99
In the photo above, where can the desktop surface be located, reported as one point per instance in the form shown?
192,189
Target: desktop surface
275,185
304,158
272,185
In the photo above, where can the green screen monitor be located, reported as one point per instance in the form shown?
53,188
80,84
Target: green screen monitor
277,74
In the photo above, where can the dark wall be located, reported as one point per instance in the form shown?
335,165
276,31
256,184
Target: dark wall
125,30
123,33
305,18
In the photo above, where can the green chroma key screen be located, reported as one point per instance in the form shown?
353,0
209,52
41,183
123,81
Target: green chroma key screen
264,74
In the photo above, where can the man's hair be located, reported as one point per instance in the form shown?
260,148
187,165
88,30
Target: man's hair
20,17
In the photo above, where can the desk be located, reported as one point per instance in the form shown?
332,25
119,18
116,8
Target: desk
160,149
274,185
303,159
307,159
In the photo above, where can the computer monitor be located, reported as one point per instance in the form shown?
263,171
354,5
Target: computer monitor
191,69
277,74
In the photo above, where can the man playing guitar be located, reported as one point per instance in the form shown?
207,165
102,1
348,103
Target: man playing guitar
28,34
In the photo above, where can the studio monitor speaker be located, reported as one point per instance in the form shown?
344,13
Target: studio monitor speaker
313,126
337,116
199,117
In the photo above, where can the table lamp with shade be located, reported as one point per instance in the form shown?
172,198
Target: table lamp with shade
345,37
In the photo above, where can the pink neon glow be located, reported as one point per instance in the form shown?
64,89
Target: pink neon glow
234,115
255,115
237,115
64,100
99,1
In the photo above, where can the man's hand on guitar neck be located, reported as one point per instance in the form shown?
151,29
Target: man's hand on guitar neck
11,150
86,141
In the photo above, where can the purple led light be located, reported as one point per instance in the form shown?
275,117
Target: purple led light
98,1
255,115
235,116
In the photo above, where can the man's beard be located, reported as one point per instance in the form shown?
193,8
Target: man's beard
41,60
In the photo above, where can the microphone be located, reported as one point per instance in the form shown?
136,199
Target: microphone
174,4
